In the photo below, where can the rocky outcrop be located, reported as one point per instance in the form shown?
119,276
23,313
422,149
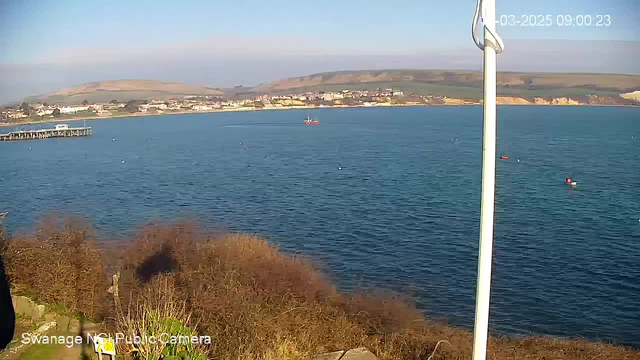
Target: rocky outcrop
604,100
452,101
564,101
633,96
510,100
27,307
568,101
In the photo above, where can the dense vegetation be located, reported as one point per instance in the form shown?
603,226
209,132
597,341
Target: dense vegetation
255,301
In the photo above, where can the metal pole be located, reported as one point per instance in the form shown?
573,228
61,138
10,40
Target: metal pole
483,290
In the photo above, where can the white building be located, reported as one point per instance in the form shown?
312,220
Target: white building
72,109
43,112
328,97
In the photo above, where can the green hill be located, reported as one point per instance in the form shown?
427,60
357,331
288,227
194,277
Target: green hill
461,84
124,90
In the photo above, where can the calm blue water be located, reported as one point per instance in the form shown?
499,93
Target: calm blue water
380,197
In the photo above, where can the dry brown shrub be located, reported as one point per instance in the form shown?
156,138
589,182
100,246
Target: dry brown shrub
244,292
384,313
59,264
257,302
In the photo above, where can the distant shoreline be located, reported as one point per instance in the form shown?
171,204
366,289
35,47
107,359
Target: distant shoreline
141,114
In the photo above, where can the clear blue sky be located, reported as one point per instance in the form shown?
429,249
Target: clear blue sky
181,39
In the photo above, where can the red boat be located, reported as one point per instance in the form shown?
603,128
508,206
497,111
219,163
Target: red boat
310,121
504,157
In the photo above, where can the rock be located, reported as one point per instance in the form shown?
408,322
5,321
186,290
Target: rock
74,326
541,101
37,312
329,356
49,317
635,96
22,305
359,354
512,100
63,322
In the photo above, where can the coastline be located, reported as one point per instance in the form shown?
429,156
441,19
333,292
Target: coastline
141,114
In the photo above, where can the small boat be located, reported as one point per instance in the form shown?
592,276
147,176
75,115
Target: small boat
571,182
310,121
504,157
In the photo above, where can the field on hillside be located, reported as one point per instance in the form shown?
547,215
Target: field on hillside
122,91
459,84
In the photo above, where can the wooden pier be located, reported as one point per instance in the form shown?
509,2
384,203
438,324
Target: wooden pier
59,131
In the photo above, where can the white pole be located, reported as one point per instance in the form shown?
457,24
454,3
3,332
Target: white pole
485,254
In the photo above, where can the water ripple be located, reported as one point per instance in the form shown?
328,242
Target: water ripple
381,197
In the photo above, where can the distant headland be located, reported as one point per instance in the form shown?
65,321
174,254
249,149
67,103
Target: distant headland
368,88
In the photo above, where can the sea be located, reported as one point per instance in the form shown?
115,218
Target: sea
379,198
